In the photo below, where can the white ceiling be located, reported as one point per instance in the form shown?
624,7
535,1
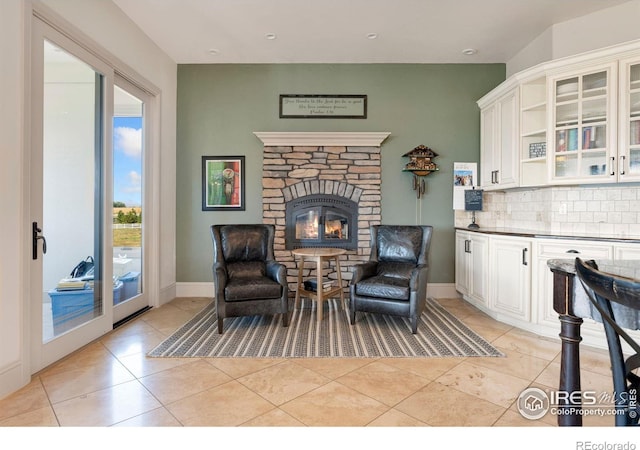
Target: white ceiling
335,31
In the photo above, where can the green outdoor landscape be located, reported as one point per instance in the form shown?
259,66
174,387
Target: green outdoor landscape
131,235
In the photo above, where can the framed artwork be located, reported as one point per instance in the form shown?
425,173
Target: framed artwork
223,183
298,106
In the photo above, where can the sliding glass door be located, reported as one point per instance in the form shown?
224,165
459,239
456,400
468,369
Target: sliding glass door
87,209
69,107
129,212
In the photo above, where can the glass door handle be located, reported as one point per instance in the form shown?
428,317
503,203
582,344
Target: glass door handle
35,232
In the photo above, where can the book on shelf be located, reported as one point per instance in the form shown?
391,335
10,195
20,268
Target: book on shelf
573,139
589,138
312,285
561,141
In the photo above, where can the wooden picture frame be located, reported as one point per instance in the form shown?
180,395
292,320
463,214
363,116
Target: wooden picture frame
223,183
298,106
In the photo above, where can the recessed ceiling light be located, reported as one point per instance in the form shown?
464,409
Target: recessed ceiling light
372,36
270,36
469,51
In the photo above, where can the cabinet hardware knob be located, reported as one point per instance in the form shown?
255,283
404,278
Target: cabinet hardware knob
572,251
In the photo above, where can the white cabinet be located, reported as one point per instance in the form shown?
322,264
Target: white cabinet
472,250
574,120
583,126
629,120
626,251
546,249
510,276
499,130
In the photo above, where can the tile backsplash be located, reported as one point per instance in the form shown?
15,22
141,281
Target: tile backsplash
597,211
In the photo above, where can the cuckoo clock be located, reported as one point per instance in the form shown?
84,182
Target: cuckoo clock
420,164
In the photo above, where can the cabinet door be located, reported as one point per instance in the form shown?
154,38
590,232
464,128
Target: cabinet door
508,162
488,148
479,257
499,152
510,277
471,266
462,262
584,135
629,117
546,249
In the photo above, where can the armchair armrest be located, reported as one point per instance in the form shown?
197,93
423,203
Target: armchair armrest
219,278
418,280
364,270
276,271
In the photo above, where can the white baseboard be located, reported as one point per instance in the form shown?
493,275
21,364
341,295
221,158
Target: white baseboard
198,289
167,294
205,289
442,290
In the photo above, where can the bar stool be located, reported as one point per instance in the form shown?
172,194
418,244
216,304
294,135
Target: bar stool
614,297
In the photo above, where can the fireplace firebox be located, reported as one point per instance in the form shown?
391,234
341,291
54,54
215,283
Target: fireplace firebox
321,220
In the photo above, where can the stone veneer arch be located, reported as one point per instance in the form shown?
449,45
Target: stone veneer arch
294,171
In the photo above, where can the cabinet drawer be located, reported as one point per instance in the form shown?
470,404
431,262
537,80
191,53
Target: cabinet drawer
571,249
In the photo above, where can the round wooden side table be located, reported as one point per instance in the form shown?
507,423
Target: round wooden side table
319,255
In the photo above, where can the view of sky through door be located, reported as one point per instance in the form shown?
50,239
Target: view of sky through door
127,193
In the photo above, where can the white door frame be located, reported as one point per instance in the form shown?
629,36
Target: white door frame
41,14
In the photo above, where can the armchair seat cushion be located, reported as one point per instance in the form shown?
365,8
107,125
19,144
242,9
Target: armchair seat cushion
251,288
382,286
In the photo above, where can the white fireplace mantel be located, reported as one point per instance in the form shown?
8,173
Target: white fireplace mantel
321,138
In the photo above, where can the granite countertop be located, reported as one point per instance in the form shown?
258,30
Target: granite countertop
626,267
549,234
582,307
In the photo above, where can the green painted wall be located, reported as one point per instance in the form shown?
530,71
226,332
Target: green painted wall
220,106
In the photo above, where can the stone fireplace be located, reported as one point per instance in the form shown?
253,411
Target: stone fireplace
321,190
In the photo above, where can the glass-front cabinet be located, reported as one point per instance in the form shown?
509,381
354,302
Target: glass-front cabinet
629,145
583,127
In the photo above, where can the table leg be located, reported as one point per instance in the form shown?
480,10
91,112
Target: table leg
570,370
340,282
563,284
300,270
319,290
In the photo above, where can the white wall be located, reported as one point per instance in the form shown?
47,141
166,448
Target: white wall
601,29
604,28
539,50
111,30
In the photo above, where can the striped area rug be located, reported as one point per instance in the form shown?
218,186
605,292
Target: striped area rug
440,334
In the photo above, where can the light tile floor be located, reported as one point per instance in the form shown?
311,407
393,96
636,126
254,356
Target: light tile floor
112,382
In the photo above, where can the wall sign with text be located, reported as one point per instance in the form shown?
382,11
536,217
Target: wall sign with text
323,106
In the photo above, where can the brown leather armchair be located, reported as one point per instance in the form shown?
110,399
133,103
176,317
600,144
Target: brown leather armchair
248,280
394,280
